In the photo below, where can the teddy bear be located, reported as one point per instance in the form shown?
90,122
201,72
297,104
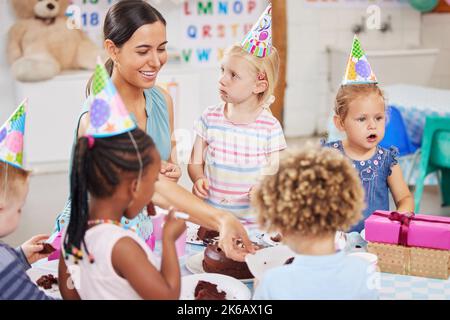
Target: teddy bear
41,43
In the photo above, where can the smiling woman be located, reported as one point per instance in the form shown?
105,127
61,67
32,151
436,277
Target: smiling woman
135,40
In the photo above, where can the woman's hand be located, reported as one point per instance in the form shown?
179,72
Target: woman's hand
32,247
171,171
231,230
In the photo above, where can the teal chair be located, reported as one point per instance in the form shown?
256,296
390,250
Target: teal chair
435,157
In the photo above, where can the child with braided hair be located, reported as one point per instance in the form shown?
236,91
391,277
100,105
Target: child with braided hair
114,170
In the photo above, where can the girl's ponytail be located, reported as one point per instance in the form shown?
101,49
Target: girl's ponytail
79,211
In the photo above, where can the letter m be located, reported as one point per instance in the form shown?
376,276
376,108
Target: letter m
205,8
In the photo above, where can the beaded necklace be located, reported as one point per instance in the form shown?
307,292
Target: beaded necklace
96,222
78,254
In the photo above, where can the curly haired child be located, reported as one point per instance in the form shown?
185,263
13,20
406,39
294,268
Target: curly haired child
315,193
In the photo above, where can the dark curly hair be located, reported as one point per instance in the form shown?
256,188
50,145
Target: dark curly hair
315,191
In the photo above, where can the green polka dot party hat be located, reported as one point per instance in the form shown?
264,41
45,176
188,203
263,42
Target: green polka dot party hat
11,137
108,115
358,69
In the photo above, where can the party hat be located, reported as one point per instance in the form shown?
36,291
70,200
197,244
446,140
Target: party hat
108,115
259,39
358,68
11,137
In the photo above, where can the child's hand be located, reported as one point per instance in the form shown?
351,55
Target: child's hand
170,170
32,247
201,188
173,227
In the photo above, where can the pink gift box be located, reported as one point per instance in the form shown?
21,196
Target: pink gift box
57,245
424,231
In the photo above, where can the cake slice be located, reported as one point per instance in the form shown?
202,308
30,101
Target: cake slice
208,291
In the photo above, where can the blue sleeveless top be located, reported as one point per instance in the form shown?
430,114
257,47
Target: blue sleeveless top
158,128
158,125
373,174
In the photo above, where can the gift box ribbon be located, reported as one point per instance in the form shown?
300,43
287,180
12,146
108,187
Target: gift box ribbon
405,220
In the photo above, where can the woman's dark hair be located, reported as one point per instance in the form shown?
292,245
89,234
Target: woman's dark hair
99,170
122,20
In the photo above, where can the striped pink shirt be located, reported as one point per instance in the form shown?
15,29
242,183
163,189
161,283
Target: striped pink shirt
236,154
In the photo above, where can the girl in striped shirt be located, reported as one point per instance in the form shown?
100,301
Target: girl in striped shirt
237,138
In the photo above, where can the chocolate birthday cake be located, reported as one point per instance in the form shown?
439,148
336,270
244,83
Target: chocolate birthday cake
46,281
208,291
206,235
215,261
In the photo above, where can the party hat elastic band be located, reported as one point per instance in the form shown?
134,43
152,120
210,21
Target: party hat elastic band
358,69
5,184
258,40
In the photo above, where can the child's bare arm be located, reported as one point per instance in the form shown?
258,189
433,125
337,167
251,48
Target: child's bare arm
142,275
273,162
196,169
197,161
403,198
64,280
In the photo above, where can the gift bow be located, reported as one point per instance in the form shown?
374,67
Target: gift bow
405,219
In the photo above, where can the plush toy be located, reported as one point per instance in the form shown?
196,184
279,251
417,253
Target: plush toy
41,43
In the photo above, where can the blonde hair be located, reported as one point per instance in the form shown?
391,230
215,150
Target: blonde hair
11,178
268,65
316,191
348,93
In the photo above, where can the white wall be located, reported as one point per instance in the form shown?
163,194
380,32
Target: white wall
436,34
61,98
310,31
6,87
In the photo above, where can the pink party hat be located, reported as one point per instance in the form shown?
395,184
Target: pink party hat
108,115
11,137
259,39
358,68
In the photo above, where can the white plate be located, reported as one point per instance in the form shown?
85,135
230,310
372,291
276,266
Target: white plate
36,273
194,265
268,258
270,242
234,288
